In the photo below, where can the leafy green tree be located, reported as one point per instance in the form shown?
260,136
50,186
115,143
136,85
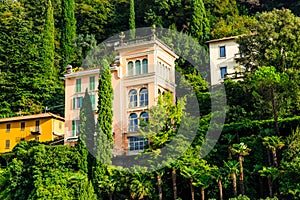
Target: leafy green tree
271,173
242,150
48,43
273,143
94,18
68,33
290,165
141,185
233,26
199,25
86,133
268,84
132,20
274,41
231,167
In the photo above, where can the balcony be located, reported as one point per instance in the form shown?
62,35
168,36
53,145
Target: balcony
36,130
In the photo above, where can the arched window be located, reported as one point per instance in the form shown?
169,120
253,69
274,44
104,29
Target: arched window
133,122
144,118
144,97
130,68
138,67
145,66
132,98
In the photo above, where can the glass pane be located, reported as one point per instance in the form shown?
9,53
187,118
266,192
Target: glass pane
138,67
130,69
145,66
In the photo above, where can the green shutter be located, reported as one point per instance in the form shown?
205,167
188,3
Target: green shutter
92,83
74,103
92,97
73,128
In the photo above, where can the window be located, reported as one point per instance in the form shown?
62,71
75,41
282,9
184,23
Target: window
144,97
222,52
132,98
145,66
137,143
7,128
223,72
138,69
78,85
93,101
133,122
7,144
37,125
22,126
130,68
92,83
77,102
75,127
144,118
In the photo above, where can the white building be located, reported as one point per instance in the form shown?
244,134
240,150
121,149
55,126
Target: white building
223,53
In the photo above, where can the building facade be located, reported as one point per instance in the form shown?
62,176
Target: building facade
144,70
40,127
223,54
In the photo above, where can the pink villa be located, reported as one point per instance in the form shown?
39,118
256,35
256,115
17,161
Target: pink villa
144,70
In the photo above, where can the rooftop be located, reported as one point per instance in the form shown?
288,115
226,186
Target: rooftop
28,117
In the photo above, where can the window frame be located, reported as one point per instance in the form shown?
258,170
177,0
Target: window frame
7,144
92,83
145,95
222,51
75,127
133,123
8,127
221,72
132,98
136,143
22,126
78,85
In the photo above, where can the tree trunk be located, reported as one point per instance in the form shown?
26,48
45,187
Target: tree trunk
274,158
270,187
174,183
192,189
111,196
229,152
275,111
202,194
159,187
242,190
220,189
261,187
269,157
233,177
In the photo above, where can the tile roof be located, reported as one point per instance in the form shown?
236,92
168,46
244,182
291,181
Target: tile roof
27,117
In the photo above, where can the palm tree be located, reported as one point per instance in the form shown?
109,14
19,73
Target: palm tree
271,173
242,150
140,184
273,143
232,168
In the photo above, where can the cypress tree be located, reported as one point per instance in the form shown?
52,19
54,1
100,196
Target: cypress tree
104,139
48,43
199,25
86,132
132,20
68,33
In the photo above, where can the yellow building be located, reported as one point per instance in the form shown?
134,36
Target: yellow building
40,127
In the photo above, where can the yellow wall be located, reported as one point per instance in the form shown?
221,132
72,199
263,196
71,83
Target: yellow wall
16,134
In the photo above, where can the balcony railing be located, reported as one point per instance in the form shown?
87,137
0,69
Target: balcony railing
36,130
